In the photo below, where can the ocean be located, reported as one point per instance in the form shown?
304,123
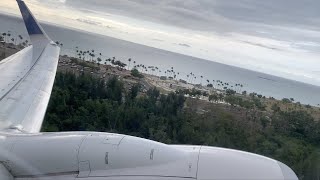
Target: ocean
265,84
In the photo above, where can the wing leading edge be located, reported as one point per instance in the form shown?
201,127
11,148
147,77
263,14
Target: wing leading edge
27,78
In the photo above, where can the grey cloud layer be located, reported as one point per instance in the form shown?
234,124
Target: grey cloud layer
187,13
210,14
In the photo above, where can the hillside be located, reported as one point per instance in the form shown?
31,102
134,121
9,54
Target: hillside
86,102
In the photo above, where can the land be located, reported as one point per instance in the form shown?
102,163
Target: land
7,50
168,85
92,96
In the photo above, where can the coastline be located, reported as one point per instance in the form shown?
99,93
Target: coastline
162,51
164,60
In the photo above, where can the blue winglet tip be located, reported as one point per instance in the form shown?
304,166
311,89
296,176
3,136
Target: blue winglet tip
32,26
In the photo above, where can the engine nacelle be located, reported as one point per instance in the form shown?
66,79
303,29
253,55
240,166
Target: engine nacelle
95,156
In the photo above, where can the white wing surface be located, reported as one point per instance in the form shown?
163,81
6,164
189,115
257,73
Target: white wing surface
26,79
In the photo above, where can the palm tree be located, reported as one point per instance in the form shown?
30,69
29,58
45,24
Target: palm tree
201,79
9,34
90,54
79,54
241,86
83,54
77,50
292,100
93,55
5,37
129,63
21,38
99,61
27,42
107,60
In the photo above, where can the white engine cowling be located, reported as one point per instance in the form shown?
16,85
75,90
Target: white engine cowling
97,156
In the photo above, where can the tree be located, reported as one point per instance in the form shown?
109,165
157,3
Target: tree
230,92
129,63
134,91
244,93
221,97
232,100
275,108
21,39
201,79
136,73
308,106
4,36
286,101
8,35
99,60
214,97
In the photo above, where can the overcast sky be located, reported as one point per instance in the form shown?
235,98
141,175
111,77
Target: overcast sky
279,37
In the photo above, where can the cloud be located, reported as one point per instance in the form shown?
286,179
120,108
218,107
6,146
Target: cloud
89,22
159,40
184,45
212,14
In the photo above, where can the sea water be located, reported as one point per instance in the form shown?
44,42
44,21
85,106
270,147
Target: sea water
265,84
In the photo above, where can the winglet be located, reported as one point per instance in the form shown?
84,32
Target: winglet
32,25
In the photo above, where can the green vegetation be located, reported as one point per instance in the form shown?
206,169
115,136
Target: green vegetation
136,73
84,63
86,103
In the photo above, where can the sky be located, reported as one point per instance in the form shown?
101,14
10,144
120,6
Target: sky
278,37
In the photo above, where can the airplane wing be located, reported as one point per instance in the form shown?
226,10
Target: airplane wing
27,78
